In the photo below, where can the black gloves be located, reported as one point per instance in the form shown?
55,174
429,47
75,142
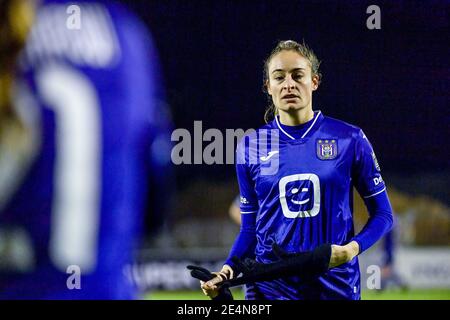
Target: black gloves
205,275
307,265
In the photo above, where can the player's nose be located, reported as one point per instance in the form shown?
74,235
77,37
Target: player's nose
289,83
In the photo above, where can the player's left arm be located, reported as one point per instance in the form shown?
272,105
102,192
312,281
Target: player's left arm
370,185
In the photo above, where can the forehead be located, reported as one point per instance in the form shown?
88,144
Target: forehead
288,60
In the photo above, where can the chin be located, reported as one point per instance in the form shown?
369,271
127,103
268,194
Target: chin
292,107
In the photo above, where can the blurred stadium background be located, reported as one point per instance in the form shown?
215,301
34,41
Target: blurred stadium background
392,82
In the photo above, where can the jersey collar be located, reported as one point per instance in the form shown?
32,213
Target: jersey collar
318,116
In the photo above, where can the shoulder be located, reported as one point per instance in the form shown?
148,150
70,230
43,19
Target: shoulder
342,128
89,38
124,17
249,140
256,135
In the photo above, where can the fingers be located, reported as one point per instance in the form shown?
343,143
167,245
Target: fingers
228,271
206,291
222,274
220,277
211,287
338,256
231,274
209,290
214,282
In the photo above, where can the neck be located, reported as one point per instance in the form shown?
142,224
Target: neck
296,117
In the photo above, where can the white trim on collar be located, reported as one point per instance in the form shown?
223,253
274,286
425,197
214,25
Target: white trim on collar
306,132
312,124
279,127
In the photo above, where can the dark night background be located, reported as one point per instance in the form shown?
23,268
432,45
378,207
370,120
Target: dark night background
393,82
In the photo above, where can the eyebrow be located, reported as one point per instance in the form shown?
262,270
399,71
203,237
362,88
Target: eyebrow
293,70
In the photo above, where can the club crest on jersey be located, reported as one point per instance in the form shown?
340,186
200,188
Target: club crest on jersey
326,149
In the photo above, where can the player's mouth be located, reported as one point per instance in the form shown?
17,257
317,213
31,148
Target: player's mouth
289,97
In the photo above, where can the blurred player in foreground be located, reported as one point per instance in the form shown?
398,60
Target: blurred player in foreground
297,194
81,132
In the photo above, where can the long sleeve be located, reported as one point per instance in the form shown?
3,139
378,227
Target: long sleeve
245,243
379,223
370,185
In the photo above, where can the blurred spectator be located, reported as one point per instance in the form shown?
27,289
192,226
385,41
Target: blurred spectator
389,275
420,219
235,212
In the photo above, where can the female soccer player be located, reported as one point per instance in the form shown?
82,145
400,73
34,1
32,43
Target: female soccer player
297,191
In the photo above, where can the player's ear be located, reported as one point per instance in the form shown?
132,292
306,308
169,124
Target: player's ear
315,82
267,85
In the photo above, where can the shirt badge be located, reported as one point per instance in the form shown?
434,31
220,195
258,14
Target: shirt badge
327,149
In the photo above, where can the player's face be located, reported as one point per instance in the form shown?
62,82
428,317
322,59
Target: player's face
290,81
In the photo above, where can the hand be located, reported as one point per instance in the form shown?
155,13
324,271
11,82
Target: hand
308,265
211,288
343,254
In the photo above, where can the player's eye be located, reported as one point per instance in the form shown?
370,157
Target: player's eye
297,76
279,78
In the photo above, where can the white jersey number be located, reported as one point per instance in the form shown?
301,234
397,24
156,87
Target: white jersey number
75,209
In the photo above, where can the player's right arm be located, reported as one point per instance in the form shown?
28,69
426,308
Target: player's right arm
244,245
